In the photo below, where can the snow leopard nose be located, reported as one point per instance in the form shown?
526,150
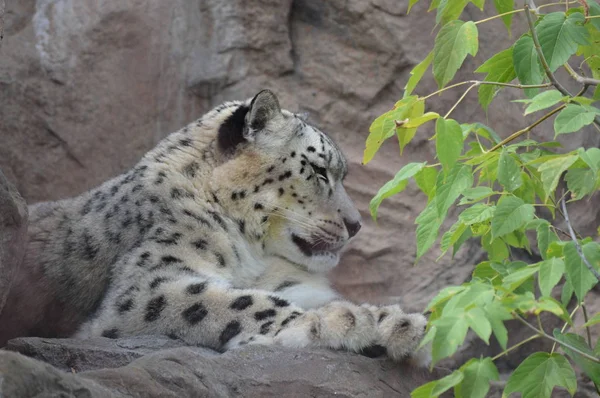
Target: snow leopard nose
352,226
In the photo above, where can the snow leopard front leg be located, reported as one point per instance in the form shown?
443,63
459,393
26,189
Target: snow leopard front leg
206,312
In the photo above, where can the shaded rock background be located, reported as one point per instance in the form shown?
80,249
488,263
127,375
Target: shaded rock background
87,87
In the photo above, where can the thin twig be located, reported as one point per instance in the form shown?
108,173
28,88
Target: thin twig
540,53
527,340
581,79
538,49
565,326
460,99
574,238
562,343
478,82
587,328
526,129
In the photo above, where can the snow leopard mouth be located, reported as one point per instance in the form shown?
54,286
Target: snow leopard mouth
317,246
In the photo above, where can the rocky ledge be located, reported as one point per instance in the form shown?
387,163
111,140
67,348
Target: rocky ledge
150,366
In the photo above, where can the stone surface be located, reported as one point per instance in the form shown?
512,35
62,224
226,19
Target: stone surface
13,234
159,367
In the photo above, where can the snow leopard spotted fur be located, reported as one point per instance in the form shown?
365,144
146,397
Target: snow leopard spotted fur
222,236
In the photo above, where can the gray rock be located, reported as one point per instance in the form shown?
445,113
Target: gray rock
13,234
151,367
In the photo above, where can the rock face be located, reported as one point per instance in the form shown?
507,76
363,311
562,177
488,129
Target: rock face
159,367
86,89
13,234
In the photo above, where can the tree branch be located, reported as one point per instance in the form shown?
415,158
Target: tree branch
526,129
574,238
586,81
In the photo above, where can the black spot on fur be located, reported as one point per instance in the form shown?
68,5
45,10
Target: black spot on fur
185,142
197,217
270,169
242,226
111,333
136,188
220,260
200,244
279,302
143,260
311,149
262,315
170,259
176,193
258,206
154,308
285,285
215,199
218,219
125,306
196,288
285,175
267,181
231,132
241,303
265,327
157,282
195,313
232,329
293,154
281,191
90,250
171,240
290,318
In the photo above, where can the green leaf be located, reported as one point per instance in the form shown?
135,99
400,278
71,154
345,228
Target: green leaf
591,251
477,376
417,73
537,375
517,278
591,157
428,226
499,68
545,236
437,387
551,271
420,120
477,294
496,313
581,182
406,134
552,169
477,213
509,172
475,194
571,119
449,188
478,3
503,6
559,36
444,295
594,12
496,248
452,44
578,275
544,100
478,322
527,64
448,142
566,293
451,333
394,186
426,179
411,3
450,10
451,236
593,320
591,368
384,126
511,214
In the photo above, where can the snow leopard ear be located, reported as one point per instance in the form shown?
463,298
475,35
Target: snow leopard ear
263,108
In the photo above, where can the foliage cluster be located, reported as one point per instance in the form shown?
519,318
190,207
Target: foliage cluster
499,184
